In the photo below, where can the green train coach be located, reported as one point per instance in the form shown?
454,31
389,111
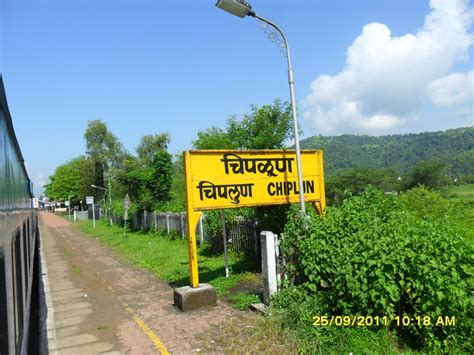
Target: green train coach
19,238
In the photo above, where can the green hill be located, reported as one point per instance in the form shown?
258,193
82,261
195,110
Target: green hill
454,147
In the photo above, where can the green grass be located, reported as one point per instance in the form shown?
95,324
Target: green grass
464,196
242,300
462,193
168,259
76,270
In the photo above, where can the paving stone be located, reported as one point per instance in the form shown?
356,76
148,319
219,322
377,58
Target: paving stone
61,295
74,340
93,348
74,313
67,331
149,299
66,322
72,306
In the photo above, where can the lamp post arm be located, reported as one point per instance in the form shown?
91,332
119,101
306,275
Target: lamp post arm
279,30
291,82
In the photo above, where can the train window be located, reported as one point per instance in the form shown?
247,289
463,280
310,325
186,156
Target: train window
3,308
17,287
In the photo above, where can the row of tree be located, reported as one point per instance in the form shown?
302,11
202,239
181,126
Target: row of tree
431,174
154,182
150,178
454,147
146,176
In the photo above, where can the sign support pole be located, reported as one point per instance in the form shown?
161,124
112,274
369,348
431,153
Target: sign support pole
193,220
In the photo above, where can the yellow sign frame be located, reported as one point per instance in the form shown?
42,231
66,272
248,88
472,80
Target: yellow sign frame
217,179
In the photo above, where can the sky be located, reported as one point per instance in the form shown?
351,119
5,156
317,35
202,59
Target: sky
149,66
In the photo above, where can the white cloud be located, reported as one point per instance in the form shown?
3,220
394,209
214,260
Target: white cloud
455,89
386,79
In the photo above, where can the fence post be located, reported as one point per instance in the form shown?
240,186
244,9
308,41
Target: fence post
168,223
155,227
182,225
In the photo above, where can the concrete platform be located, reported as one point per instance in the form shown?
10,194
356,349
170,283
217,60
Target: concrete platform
188,298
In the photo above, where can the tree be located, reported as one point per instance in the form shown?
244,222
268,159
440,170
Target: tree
427,173
357,180
161,176
72,179
105,151
214,138
150,144
148,185
132,179
266,127
102,146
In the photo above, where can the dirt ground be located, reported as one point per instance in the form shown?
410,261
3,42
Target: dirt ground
99,303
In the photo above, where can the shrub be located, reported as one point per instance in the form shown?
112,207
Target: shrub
374,256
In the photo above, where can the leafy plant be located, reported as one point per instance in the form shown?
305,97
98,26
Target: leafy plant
374,256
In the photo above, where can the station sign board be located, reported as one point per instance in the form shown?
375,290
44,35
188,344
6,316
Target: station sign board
230,179
218,179
89,200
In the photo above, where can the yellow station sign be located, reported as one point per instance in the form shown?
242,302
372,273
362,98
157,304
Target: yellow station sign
217,179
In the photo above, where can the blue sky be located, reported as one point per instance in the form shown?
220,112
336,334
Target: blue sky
143,67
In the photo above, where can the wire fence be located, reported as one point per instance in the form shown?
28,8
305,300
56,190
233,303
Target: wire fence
242,234
242,237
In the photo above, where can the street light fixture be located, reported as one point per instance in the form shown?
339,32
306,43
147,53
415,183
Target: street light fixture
99,187
241,9
235,7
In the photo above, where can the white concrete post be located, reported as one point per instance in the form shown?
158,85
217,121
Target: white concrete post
277,257
268,265
168,223
93,214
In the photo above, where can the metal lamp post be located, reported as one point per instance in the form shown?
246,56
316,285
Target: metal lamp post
110,198
69,207
241,9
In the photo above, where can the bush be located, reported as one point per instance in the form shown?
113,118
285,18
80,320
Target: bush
374,256
294,309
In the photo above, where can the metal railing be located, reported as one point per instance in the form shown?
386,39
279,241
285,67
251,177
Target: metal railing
242,234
